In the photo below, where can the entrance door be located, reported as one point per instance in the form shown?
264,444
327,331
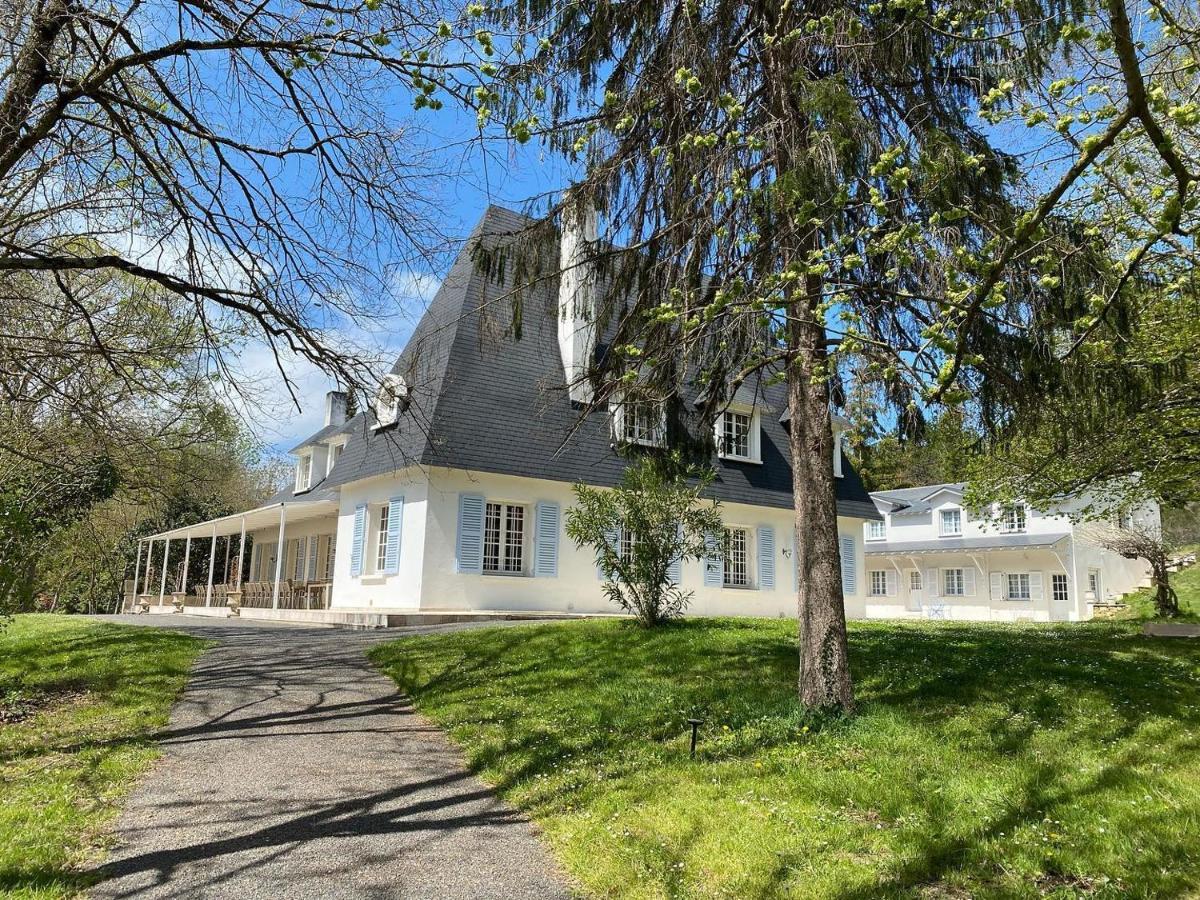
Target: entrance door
916,590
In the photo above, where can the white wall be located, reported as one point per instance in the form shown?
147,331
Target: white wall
305,529
577,587
372,590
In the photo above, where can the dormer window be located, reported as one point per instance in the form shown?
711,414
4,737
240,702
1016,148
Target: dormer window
876,531
642,422
737,434
390,401
1012,518
303,472
335,452
951,522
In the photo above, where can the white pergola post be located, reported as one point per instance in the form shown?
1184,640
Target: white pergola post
280,553
241,554
187,555
212,561
137,571
162,585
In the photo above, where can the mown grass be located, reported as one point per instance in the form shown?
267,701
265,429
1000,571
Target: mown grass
985,761
79,704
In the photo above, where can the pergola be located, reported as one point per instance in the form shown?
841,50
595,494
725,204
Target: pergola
227,527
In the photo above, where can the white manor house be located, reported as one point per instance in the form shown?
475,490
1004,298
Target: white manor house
448,497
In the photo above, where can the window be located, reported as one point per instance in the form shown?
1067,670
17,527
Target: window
1058,587
641,422
1124,520
390,400
876,531
1018,586
303,472
628,540
737,560
381,534
504,539
951,522
878,583
335,451
1094,583
1012,518
914,580
330,552
953,583
735,435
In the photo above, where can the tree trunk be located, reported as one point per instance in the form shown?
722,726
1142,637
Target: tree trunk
1166,600
824,652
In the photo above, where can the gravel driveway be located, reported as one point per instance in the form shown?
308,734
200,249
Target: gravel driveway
294,769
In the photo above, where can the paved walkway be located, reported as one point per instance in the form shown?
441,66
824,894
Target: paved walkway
294,769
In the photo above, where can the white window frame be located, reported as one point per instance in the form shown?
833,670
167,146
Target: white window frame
959,588
942,513
335,452
753,452
379,544
628,542
626,424
1057,579
390,400
916,581
1094,584
876,530
304,472
731,576
877,580
1021,593
1014,518
500,537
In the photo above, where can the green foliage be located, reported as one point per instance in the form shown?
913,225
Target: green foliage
940,453
79,706
656,515
984,761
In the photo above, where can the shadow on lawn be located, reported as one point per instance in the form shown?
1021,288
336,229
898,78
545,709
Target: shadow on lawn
1096,685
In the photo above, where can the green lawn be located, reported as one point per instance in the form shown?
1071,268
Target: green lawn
986,761
1187,586
79,703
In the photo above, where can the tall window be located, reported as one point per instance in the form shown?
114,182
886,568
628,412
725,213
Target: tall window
642,423
504,539
330,552
735,434
303,472
628,541
1058,587
876,531
1018,586
879,583
381,540
1013,517
914,580
951,522
1094,583
952,582
737,560
335,451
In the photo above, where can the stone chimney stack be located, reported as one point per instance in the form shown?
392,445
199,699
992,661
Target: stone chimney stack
335,408
577,297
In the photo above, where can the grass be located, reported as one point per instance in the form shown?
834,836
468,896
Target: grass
985,761
1187,586
79,704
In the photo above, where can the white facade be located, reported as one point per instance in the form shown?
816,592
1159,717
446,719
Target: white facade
934,558
429,573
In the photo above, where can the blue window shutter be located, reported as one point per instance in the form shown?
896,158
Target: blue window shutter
675,569
360,535
301,549
469,553
612,537
766,558
849,567
545,554
391,557
714,561
795,561
314,544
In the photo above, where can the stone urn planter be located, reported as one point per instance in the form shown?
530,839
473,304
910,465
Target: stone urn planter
233,600
177,600
144,603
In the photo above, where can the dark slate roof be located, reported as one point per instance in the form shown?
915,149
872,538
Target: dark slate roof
485,398
323,435
961,545
909,501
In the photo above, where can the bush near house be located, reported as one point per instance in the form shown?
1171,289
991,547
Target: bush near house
984,761
79,705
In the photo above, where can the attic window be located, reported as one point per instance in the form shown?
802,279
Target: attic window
737,434
641,422
390,401
303,472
